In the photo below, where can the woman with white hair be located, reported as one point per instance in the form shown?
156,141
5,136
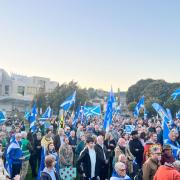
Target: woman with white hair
120,172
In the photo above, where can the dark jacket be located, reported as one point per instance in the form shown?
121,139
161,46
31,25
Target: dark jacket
137,150
84,164
57,142
46,176
103,166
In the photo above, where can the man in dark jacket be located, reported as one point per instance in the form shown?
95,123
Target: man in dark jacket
136,148
88,163
49,172
103,156
59,139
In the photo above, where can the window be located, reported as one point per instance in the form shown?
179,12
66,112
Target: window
6,89
0,90
20,90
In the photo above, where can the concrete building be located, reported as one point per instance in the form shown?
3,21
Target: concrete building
17,91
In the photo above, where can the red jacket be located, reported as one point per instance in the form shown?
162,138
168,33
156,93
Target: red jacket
167,173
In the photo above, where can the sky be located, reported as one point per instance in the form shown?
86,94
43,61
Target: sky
99,43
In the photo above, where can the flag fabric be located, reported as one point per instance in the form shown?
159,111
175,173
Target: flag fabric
129,128
109,109
169,115
47,114
66,105
13,146
2,117
175,94
32,118
165,132
76,116
92,110
138,107
161,111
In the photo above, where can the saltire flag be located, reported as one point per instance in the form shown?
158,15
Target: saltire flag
2,117
109,109
32,118
175,94
178,115
138,107
47,114
92,110
169,115
161,111
13,146
66,105
27,115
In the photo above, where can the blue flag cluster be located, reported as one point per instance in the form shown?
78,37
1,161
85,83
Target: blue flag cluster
109,110
138,107
66,105
175,94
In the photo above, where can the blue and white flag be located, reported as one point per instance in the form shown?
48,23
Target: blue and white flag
92,110
169,115
109,110
162,113
175,94
9,159
66,105
32,118
129,128
2,117
47,114
138,107
165,132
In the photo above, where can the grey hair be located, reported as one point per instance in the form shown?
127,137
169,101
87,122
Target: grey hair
119,166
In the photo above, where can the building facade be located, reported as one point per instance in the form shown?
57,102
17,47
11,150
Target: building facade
17,91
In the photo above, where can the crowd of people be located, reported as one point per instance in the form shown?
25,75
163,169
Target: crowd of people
90,151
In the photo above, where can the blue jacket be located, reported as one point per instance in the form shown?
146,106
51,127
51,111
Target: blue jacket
115,176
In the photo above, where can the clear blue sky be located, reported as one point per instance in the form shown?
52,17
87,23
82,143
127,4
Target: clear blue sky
98,43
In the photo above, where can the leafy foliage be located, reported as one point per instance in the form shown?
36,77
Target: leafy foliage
154,91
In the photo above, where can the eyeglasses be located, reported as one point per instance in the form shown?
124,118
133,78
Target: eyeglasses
122,170
158,154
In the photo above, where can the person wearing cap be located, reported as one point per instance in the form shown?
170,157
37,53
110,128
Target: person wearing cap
168,171
151,165
88,163
120,172
167,156
136,148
